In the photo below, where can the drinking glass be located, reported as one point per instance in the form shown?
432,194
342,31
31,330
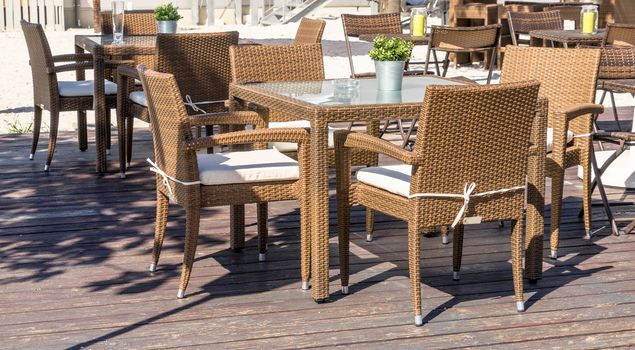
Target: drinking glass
117,21
589,19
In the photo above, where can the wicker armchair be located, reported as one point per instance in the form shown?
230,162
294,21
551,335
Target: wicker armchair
618,34
617,64
207,180
524,22
570,89
567,13
463,40
59,96
450,156
199,63
309,31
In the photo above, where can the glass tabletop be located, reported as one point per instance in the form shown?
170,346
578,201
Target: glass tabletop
351,92
128,40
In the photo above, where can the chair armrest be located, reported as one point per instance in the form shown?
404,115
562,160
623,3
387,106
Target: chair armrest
127,71
578,110
294,135
71,67
76,57
350,139
614,136
114,64
228,118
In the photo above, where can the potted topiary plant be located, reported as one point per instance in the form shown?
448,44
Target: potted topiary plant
390,56
167,16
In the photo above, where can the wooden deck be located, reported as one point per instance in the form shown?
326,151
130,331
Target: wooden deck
75,248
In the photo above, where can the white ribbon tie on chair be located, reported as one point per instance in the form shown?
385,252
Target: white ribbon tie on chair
155,169
467,194
194,105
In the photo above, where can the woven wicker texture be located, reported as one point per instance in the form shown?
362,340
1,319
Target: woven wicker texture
175,153
570,89
136,22
620,34
45,88
449,153
524,22
568,13
200,65
309,31
617,63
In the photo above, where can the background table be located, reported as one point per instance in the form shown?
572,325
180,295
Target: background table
102,48
566,37
321,103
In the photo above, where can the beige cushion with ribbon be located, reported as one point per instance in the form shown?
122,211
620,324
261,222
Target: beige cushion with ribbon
83,88
244,167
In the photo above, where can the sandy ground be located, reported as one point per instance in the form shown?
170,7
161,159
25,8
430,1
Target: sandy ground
16,111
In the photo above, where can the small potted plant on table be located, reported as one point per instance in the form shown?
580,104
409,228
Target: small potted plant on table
167,17
390,56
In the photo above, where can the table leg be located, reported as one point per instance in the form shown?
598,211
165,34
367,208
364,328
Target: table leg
99,105
319,211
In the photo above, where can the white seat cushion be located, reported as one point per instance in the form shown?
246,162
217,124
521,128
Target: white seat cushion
292,147
245,167
139,97
392,178
83,88
550,138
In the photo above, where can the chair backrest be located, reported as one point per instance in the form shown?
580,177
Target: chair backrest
457,38
170,128
567,77
620,34
41,60
474,133
569,13
617,63
199,62
309,31
136,22
257,63
356,25
524,22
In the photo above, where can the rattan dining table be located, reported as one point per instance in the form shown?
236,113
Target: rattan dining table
102,48
331,101
565,37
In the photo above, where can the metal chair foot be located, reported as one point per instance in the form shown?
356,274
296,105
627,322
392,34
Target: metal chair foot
418,320
122,175
369,237
262,257
46,168
520,306
344,290
445,239
554,254
31,156
588,234
153,267
456,275
305,285
180,294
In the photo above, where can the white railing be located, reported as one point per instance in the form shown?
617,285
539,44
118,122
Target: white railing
49,13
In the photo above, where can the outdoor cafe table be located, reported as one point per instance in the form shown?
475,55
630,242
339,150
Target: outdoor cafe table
417,40
321,103
102,48
566,37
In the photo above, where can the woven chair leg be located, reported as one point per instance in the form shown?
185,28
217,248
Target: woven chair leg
446,64
370,224
457,251
209,131
305,239
445,235
586,197
261,214
414,267
37,124
108,130
121,142
492,60
129,135
237,227
436,62
55,118
159,229
343,233
82,131
557,183
615,116
191,240
517,267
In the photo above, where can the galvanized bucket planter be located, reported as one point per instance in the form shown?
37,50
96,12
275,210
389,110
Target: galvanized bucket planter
166,27
389,74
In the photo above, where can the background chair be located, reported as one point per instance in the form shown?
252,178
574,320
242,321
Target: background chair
620,35
59,96
450,154
463,40
521,23
617,64
567,13
568,80
200,65
309,31
207,180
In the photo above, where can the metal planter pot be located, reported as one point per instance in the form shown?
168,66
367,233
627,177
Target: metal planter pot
389,74
166,27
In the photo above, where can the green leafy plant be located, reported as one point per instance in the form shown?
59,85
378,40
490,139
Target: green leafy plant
15,127
390,49
167,12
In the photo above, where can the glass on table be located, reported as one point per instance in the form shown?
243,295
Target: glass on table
118,9
589,19
418,21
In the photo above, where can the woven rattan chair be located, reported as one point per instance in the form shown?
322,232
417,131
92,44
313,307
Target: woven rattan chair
200,64
617,63
207,180
618,34
567,13
59,96
521,23
570,89
463,40
309,31
450,156
136,22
